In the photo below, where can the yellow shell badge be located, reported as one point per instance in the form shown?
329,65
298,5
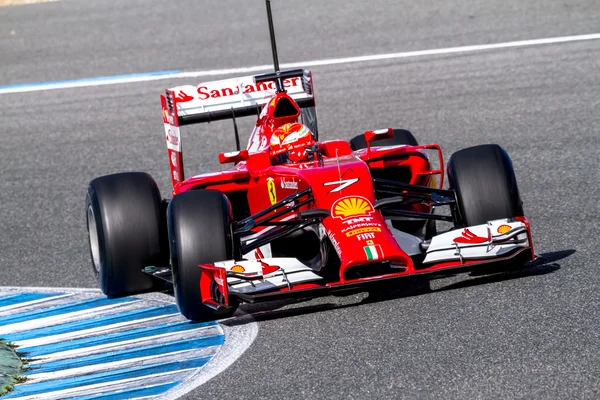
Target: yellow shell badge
504,228
271,190
347,207
238,268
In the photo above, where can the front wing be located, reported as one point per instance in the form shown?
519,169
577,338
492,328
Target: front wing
478,249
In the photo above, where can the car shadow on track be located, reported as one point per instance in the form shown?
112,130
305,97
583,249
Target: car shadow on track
266,313
546,264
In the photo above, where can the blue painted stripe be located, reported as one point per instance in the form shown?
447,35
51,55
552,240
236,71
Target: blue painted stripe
94,322
61,309
145,351
140,333
90,80
24,297
102,377
154,390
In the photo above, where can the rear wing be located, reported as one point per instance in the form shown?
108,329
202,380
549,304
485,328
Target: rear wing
229,99
237,97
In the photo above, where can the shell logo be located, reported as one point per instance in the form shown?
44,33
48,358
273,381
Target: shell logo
238,268
351,206
504,228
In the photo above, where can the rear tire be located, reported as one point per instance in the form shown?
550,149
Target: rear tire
401,136
126,230
485,184
199,233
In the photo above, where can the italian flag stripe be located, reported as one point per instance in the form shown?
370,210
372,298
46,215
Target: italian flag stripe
373,252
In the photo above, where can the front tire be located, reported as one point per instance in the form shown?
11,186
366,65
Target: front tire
199,233
485,184
126,232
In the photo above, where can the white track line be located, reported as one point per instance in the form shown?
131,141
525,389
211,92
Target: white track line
23,2
332,61
49,301
66,317
97,388
100,330
121,364
129,343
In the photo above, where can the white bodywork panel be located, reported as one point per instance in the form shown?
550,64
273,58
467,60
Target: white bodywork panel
491,240
263,251
290,271
230,94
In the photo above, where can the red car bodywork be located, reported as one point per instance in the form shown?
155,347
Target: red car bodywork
341,183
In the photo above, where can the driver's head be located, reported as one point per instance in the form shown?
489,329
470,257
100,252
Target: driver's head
289,142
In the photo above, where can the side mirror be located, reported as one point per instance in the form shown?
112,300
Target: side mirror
233,156
379,134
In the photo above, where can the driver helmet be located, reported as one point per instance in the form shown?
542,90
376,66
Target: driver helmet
289,142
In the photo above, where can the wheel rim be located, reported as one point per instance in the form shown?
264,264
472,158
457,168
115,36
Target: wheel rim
94,244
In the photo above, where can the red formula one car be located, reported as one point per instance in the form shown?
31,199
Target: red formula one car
296,217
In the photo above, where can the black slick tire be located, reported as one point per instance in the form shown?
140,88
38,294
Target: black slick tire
127,232
199,224
485,185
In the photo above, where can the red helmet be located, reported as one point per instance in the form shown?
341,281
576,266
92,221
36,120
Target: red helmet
289,142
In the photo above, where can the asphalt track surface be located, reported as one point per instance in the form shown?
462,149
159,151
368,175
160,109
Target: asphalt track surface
528,335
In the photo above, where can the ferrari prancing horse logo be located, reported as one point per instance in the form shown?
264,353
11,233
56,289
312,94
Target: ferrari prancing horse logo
271,190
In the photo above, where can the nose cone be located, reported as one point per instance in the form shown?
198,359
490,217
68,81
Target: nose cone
356,229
